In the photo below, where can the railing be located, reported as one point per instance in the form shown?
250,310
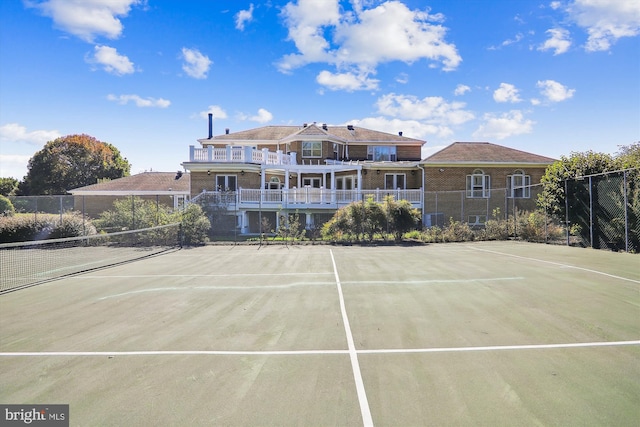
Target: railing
239,154
315,197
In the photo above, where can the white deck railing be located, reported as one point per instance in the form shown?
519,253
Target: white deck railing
239,154
305,197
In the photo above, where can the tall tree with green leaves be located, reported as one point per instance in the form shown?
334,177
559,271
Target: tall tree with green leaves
596,207
72,161
578,164
8,186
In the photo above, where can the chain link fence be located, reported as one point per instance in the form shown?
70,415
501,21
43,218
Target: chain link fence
603,211
90,208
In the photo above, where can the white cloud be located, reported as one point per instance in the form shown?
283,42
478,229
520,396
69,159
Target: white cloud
514,40
14,132
506,93
243,17
139,101
402,78
87,19
555,5
217,111
263,116
17,139
346,81
196,64
111,61
503,126
554,91
606,21
363,38
409,128
461,90
559,41
432,109
14,165
393,32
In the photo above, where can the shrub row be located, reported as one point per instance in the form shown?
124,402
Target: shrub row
26,227
529,226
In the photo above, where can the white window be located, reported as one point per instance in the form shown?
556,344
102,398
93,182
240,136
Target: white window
393,181
478,184
382,153
274,183
226,183
311,148
346,182
519,185
311,182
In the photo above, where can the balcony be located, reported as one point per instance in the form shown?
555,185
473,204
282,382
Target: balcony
240,154
302,198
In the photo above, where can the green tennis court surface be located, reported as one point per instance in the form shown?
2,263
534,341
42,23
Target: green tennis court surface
488,333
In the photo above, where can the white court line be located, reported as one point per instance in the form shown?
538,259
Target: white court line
156,276
320,352
558,264
418,282
217,288
353,354
501,347
297,284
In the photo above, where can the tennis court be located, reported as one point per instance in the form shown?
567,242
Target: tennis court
486,333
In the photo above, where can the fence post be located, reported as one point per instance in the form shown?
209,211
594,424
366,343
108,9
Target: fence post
591,212
566,209
626,214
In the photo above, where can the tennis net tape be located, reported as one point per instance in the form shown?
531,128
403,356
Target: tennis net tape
25,264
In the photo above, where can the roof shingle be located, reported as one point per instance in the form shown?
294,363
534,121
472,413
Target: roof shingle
484,152
142,182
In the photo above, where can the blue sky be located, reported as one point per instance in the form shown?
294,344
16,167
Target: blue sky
548,77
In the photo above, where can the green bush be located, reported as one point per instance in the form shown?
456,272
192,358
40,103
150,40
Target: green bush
28,227
195,225
6,207
133,214
457,231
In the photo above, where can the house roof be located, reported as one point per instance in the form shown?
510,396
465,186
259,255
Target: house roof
280,134
146,183
484,153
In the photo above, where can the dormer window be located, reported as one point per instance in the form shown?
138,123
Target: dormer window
381,153
311,148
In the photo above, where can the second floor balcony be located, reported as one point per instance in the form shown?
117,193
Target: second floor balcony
240,154
302,198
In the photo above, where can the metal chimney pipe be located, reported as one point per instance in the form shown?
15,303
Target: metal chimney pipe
210,125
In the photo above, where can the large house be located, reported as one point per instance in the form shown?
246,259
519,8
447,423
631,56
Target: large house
314,169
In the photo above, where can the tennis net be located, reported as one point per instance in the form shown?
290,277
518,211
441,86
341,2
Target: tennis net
25,264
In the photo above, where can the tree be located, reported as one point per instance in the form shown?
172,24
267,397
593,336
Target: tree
595,204
133,213
6,207
72,161
628,156
8,186
563,173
